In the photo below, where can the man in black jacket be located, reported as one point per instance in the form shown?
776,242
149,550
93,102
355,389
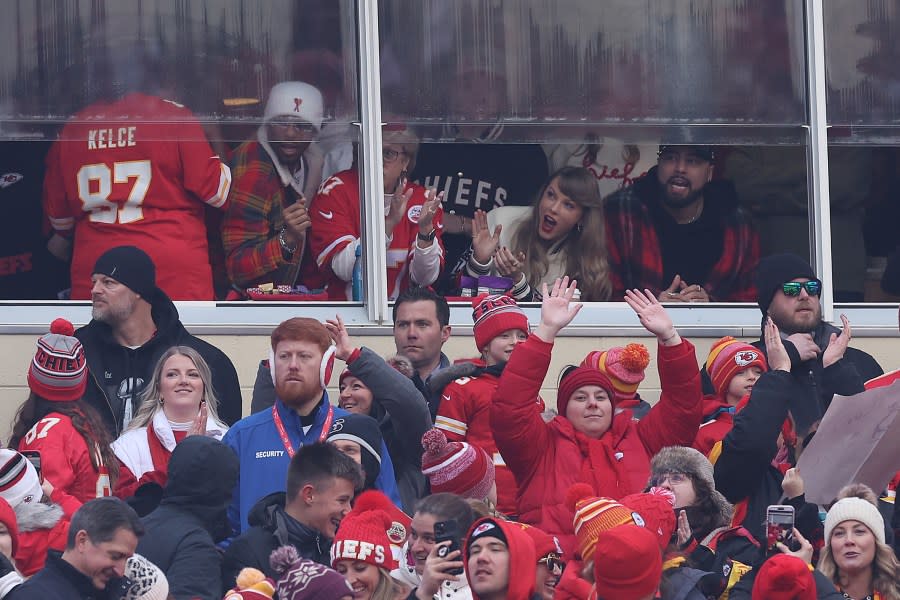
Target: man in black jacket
321,482
103,535
133,323
788,291
191,518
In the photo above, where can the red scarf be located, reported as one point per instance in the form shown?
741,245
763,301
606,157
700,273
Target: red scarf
600,469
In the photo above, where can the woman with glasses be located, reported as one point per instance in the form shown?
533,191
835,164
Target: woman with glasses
412,222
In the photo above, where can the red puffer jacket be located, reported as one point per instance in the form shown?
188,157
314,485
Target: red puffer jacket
548,458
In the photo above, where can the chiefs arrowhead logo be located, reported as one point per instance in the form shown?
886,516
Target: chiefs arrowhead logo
297,103
9,179
744,358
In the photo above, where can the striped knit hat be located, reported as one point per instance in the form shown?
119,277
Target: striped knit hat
593,515
727,358
494,314
19,481
624,366
456,467
58,371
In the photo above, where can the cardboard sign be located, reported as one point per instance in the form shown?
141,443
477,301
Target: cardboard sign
858,441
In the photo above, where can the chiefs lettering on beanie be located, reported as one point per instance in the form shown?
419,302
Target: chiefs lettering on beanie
727,358
58,371
456,467
400,522
624,366
363,536
494,314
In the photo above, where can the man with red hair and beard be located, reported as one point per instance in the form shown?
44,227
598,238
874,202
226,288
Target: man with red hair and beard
300,362
680,234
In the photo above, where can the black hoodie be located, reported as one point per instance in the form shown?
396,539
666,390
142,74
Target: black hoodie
181,534
118,373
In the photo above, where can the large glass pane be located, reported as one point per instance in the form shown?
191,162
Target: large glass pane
571,62
139,104
862,43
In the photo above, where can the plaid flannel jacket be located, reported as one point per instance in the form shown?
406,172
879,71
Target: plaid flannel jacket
634,253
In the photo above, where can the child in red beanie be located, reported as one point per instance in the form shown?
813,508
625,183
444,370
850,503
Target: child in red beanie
734,367
464,413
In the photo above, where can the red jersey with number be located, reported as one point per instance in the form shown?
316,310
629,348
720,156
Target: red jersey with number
66,462
335,217
137,171
464,416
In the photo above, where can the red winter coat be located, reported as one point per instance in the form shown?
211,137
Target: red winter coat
66,462
718,418
40,529
464,416
548,458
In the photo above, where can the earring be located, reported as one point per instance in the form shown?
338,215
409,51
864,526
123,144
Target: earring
160,401
579,226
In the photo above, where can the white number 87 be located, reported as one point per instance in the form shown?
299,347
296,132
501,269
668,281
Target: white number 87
97,202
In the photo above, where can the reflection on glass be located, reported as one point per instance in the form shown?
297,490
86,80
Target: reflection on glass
582,60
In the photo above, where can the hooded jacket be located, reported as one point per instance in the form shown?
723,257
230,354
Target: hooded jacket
270,528
181,534
522,558
42,527
548,458
118,373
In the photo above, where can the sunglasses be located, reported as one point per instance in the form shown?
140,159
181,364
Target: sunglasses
792,288
553,561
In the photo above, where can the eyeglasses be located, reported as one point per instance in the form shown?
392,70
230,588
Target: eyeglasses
553,561
673,479
300,127
389,155
792,288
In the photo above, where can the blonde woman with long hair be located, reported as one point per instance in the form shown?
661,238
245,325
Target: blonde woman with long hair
561,234
855,557
177,402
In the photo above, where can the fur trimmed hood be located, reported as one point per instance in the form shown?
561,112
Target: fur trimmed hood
33,517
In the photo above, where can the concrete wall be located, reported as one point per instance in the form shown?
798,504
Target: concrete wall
246,351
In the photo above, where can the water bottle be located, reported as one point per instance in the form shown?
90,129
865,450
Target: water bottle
357,275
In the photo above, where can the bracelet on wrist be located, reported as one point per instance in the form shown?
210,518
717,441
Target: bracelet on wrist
282,241
427,237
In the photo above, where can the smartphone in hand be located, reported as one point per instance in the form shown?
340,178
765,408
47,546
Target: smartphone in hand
448,531
779,526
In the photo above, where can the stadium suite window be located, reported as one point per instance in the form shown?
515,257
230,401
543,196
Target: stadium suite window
587,74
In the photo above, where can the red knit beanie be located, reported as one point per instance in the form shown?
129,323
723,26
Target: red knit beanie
58,371
631,564
580,377
363,536
400,521
494,314
456,467
657,508
8,518
544,543
593,515
784,577
727,358
624,366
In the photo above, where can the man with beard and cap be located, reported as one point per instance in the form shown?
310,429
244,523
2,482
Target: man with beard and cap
181,534
680,234
276,175
132,323
822,362
301,360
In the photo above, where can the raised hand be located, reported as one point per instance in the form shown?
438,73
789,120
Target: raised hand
430,208
653,316
683,531
198,427
436,570
397,209
343,346
484,243
296,222
837,344
557,308
776,355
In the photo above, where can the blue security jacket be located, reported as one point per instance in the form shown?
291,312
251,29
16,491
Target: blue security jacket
264,460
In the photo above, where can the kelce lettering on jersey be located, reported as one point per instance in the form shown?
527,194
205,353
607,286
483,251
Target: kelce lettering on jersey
103,139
